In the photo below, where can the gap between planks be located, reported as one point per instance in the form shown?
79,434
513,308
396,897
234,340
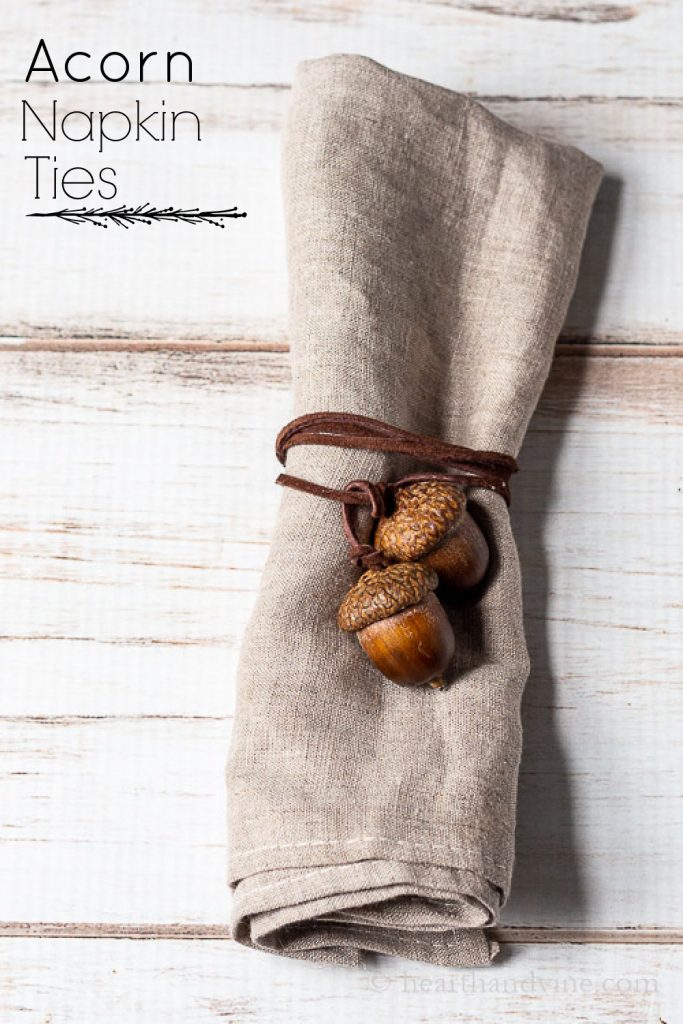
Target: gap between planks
584,347
478,97
511,935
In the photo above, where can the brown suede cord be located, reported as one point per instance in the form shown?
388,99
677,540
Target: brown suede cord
468,468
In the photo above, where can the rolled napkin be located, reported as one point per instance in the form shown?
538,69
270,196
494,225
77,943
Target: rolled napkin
433,250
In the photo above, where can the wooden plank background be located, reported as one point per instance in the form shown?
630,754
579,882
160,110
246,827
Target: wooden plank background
190,982
144,375
630,288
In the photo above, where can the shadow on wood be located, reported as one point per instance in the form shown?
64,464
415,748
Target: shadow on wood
548,884
595,263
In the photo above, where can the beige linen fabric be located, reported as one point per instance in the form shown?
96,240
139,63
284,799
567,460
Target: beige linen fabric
433,250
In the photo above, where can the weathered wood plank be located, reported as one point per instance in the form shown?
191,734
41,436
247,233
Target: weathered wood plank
43,343
123,820
126,584
64,981
201,284
138,500
509,935
136,507
498,47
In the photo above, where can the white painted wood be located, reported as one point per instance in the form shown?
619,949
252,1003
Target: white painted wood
133,523
123,820
159,279
77,981
113,821
137,503
201,283
510,47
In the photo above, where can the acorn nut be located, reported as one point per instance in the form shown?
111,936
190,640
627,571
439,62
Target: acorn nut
400,624
430,523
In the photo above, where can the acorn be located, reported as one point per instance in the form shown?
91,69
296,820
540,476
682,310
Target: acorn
430,524
400,623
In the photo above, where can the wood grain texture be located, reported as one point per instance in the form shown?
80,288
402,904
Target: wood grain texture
122,821
77,981
43,343
495,47
204,285
510,935
128,575
137,503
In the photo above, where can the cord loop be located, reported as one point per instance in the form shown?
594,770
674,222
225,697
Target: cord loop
466,467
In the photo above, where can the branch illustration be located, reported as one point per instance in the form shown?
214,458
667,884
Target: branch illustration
126,216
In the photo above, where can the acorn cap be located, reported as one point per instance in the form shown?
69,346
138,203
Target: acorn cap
380,593
424,514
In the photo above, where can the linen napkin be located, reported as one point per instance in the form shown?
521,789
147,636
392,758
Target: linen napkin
433,250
